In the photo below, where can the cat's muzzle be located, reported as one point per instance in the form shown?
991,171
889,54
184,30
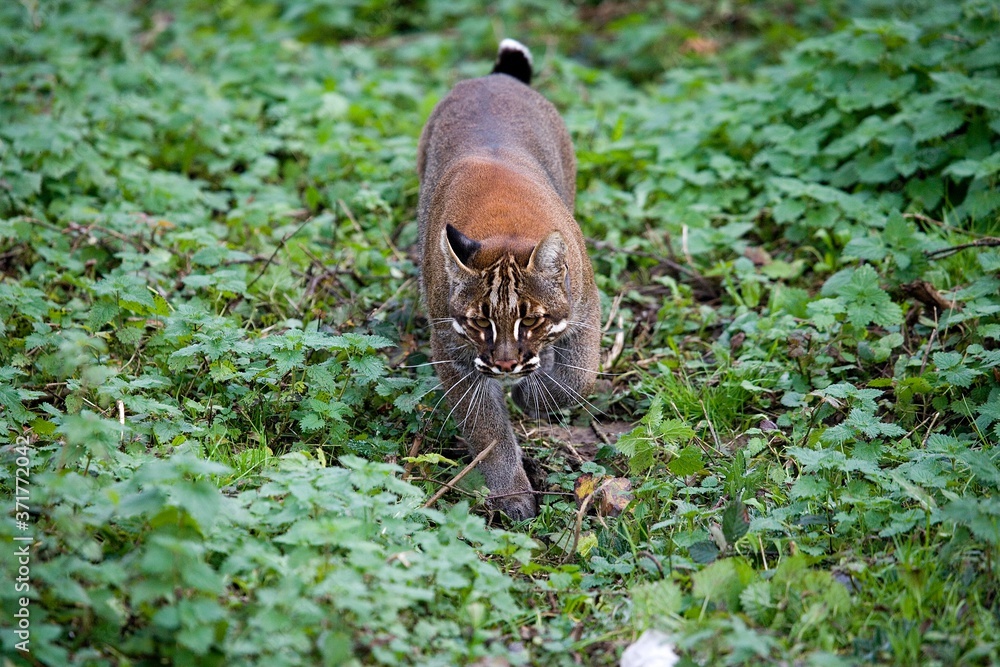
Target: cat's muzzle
507,368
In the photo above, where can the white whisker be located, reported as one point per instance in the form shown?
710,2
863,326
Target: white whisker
534,394
589,370
554,410
478,399
445,395
532,383
429,363
574,394
458,403
584,325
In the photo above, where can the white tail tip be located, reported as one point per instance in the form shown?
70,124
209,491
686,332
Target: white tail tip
514,45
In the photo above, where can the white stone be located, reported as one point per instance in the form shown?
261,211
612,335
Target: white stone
652,649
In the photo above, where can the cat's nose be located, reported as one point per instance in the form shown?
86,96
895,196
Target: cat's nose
505,365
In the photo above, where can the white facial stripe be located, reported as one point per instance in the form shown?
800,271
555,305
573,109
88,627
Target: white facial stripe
493,327
534,361
457,327
517,327
495,289
560,326
511,296
479,363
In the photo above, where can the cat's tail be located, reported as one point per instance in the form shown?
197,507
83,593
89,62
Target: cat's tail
513,58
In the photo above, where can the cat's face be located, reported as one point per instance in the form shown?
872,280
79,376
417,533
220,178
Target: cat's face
509,311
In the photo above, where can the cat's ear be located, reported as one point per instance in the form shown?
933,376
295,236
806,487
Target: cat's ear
457,249
549,256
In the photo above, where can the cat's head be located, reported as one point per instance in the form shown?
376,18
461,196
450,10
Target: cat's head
507,303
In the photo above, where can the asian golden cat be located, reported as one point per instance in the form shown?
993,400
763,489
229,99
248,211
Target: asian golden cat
505,276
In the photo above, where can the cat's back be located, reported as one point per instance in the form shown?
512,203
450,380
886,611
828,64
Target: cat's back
497,118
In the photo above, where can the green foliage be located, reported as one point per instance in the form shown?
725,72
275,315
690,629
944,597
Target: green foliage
640,445
209,333
315,566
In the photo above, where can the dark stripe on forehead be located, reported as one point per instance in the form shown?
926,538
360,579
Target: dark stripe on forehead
504,280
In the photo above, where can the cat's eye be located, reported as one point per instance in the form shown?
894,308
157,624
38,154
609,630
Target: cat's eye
481,322
530,321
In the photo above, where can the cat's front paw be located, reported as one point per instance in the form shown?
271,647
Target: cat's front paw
511,494
518,507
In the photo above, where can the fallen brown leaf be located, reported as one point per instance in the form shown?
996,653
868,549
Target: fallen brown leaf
614,496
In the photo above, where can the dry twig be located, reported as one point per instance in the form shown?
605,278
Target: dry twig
465,471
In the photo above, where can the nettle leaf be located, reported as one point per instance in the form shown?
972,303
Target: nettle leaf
311,421
902,236
89,434
874,167
980,515
654,415
11,397
926,191
130,334
934,121
227,280
983,466
870,425
674,431
102,312
866,302
638,446
723,581
688,461
809,487
864,397
824,312
756,601
979,90
735,521
905,157
640,443
863,49
27,302
817,459
952,368
287,359
873,89
359,342
368,369
408,402
653,601
788,210
871,247
989,412
986,54
129,291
